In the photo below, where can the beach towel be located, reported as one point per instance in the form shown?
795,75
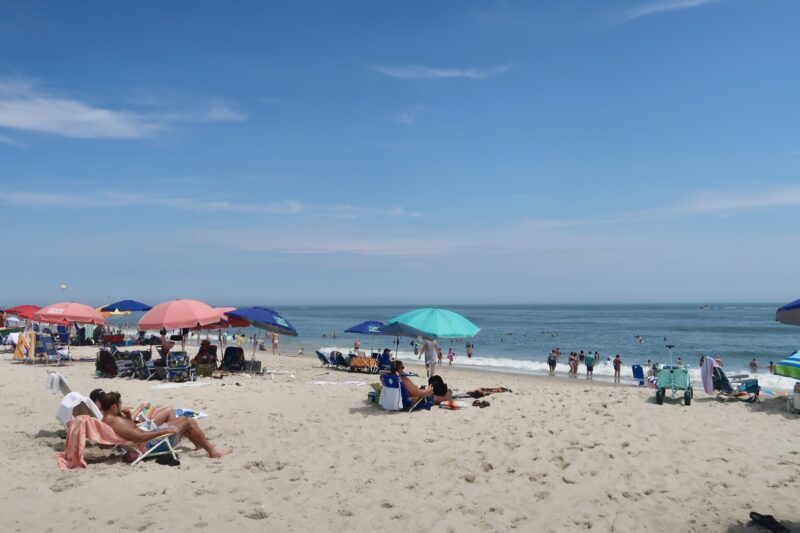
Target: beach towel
453,405
707,374
79,430
54,382
72,400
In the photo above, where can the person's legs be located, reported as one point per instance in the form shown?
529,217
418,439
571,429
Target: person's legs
164,415
191,429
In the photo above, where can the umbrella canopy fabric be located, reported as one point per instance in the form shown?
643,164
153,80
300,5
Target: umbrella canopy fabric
264,318
789,367
125,305
115,312
66,312
431,322
789,314
178,314
225,321
23,311
370,327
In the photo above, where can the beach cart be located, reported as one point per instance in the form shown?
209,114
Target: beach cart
675,378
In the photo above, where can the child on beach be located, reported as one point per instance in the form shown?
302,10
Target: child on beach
450,356
617,366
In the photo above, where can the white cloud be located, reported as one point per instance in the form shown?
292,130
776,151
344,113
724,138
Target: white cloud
409,118
421,72
25,107
10,141
653,8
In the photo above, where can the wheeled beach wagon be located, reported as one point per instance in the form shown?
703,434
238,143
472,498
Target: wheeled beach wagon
675,378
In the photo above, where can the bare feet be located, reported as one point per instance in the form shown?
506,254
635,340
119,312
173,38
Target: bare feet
217,452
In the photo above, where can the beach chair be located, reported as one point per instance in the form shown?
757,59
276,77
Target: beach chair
233,359
638,374
46,349
142,368
323,359
383,361
395,397
179,368
338,360
63,335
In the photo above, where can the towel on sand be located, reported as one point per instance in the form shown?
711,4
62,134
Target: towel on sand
79,430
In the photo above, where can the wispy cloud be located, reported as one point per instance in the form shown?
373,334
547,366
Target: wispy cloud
704,203
421,72
116,199
10,141
653,8
24,106
409,118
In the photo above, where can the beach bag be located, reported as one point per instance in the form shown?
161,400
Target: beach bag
438,384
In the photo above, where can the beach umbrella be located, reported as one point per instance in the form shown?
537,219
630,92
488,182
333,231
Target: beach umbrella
23,311
68,312
263,318
789,367
431,323
370,327
789,314
176,314
126,306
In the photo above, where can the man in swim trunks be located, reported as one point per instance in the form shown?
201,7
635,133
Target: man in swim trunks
429,349
121,420
589,360
617,366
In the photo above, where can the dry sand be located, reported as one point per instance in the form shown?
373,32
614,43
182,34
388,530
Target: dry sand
554,455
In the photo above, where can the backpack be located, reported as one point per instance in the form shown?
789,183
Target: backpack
438,384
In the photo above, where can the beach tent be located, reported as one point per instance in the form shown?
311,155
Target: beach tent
789,314
789,367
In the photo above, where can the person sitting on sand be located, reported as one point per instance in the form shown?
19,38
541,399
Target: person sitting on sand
414,392
160,415
205,355
121,421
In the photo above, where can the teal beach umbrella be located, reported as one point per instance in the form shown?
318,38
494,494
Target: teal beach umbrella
431,323
789,367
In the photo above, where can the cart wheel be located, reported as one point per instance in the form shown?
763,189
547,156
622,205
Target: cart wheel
691,393
687,397
660,396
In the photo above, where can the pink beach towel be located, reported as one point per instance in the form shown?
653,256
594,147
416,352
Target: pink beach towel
79,430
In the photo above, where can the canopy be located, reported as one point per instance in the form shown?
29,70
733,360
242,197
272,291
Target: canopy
115,312
125,305
178,314
789,314
23,311
370,327
264,318
66,312
225,321
789,367
431,322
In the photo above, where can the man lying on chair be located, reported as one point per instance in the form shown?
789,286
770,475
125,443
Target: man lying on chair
121,420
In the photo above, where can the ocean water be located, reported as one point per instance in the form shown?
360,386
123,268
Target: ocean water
519,337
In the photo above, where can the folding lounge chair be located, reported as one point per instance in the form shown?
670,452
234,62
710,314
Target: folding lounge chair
179,368
638,374
74,404
233,359
323,359
394,396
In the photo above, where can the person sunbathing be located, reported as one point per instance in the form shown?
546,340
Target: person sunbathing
414,392
122,421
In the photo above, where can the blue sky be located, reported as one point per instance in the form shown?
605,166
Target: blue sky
403,152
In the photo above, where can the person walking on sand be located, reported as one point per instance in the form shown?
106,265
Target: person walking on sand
617,366
276,343
589,360
439,355
429,350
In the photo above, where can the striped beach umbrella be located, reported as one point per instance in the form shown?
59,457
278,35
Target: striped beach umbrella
789,367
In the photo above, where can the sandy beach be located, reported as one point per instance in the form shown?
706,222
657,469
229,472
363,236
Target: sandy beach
311,454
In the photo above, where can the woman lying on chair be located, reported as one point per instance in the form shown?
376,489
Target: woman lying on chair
415,392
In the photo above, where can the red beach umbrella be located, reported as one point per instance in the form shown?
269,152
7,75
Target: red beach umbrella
178,314
66,312
23,311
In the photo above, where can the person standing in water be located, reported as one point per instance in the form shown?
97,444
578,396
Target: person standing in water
617,367
589,360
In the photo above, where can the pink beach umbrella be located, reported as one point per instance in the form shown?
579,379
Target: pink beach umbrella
67,312
179,314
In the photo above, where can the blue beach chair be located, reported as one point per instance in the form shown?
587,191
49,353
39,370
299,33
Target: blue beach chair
638,374
233,359
179,368
392,383
323,359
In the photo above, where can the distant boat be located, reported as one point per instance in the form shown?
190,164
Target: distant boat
705,307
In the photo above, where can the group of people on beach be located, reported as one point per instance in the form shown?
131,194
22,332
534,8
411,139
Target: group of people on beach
590,359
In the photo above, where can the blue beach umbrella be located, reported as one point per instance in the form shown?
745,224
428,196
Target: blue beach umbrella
789,367
264,318
370,327
789,314
125,306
